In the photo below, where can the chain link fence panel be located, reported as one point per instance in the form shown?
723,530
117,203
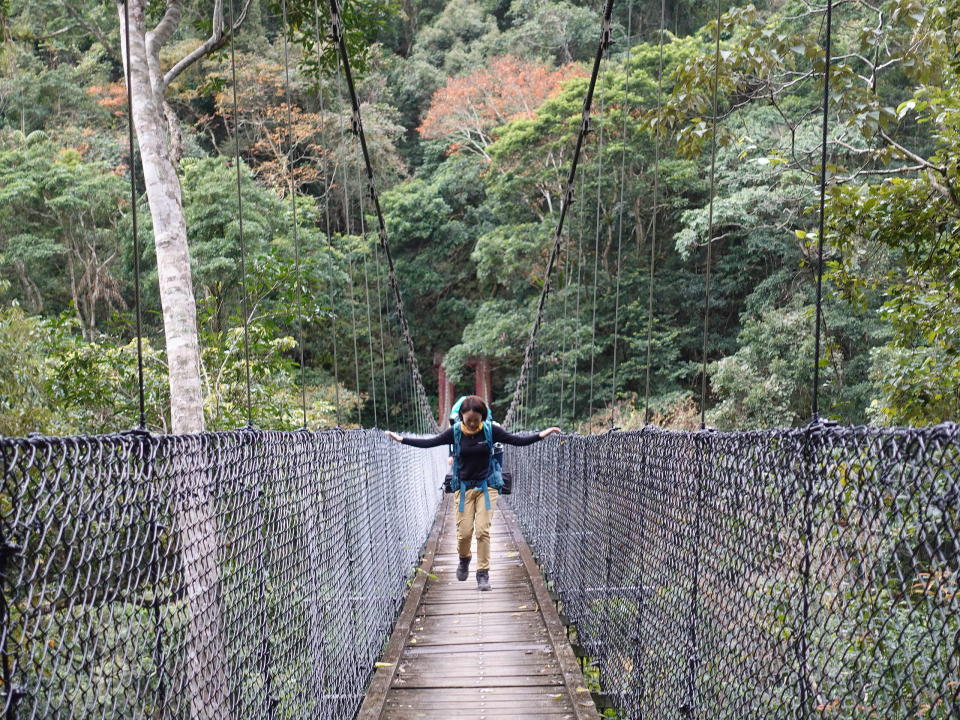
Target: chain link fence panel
234,575
805,573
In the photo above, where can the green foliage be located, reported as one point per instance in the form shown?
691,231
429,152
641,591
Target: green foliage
471,235
58,383
886,234
213,222
22,372
510,254
309,21
900,246
499,332
434,222
566,31
59,211
462,36
767,382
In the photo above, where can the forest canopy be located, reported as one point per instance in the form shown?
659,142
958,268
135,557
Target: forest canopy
471,111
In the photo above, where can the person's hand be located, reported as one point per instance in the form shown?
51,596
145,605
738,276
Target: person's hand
550,431
393,436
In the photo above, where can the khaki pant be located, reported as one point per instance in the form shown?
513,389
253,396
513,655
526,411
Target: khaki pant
475,518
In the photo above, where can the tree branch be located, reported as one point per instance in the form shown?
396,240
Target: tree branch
878,171
946,189
218,38
101,37
913,156
164,30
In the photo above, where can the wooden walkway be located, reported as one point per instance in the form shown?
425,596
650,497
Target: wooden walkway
460,654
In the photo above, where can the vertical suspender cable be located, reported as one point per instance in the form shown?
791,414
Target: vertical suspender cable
366,289
328,182
293,209
356,350
327,186
823,184
563,336
690,706
576,312
602,46
142,421
596,251
706,277
383,350
623,180
353,306
422,404
243,248
811,441
656,200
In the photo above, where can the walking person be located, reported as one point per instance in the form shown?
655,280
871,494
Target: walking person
476,477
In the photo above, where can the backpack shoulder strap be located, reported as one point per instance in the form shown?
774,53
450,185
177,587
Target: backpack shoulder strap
488,435
455,470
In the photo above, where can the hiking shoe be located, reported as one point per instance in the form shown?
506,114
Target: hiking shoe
483,580
463,569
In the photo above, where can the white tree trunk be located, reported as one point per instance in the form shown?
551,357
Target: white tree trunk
169,229
206,669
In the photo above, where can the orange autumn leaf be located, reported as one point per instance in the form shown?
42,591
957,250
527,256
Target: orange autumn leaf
470,106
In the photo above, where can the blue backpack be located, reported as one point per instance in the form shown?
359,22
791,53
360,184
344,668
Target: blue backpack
494,477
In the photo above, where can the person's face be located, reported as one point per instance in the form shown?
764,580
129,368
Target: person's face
472,419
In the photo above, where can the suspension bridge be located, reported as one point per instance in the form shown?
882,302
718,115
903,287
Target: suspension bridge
794,573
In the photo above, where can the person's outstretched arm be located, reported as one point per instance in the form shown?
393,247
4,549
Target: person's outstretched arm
502,436
444,438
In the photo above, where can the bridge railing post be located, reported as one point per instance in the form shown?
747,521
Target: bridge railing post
811,438
607,491
309,482
701,449
635,707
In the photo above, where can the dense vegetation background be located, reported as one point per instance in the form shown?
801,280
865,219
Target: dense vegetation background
472,109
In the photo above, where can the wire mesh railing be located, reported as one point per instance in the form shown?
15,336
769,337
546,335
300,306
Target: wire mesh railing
805,573
241,574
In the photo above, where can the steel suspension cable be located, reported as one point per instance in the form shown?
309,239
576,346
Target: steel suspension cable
596,249
576,363
709,261
823,184
602,46
338,37
333,315
373,375
293,210
243,246
327,188
366,289
348,231
353,328
559,348
808,490
564,333
656,200
137,302
623,180
383,350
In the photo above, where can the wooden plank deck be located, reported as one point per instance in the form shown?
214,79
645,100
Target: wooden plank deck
458,653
